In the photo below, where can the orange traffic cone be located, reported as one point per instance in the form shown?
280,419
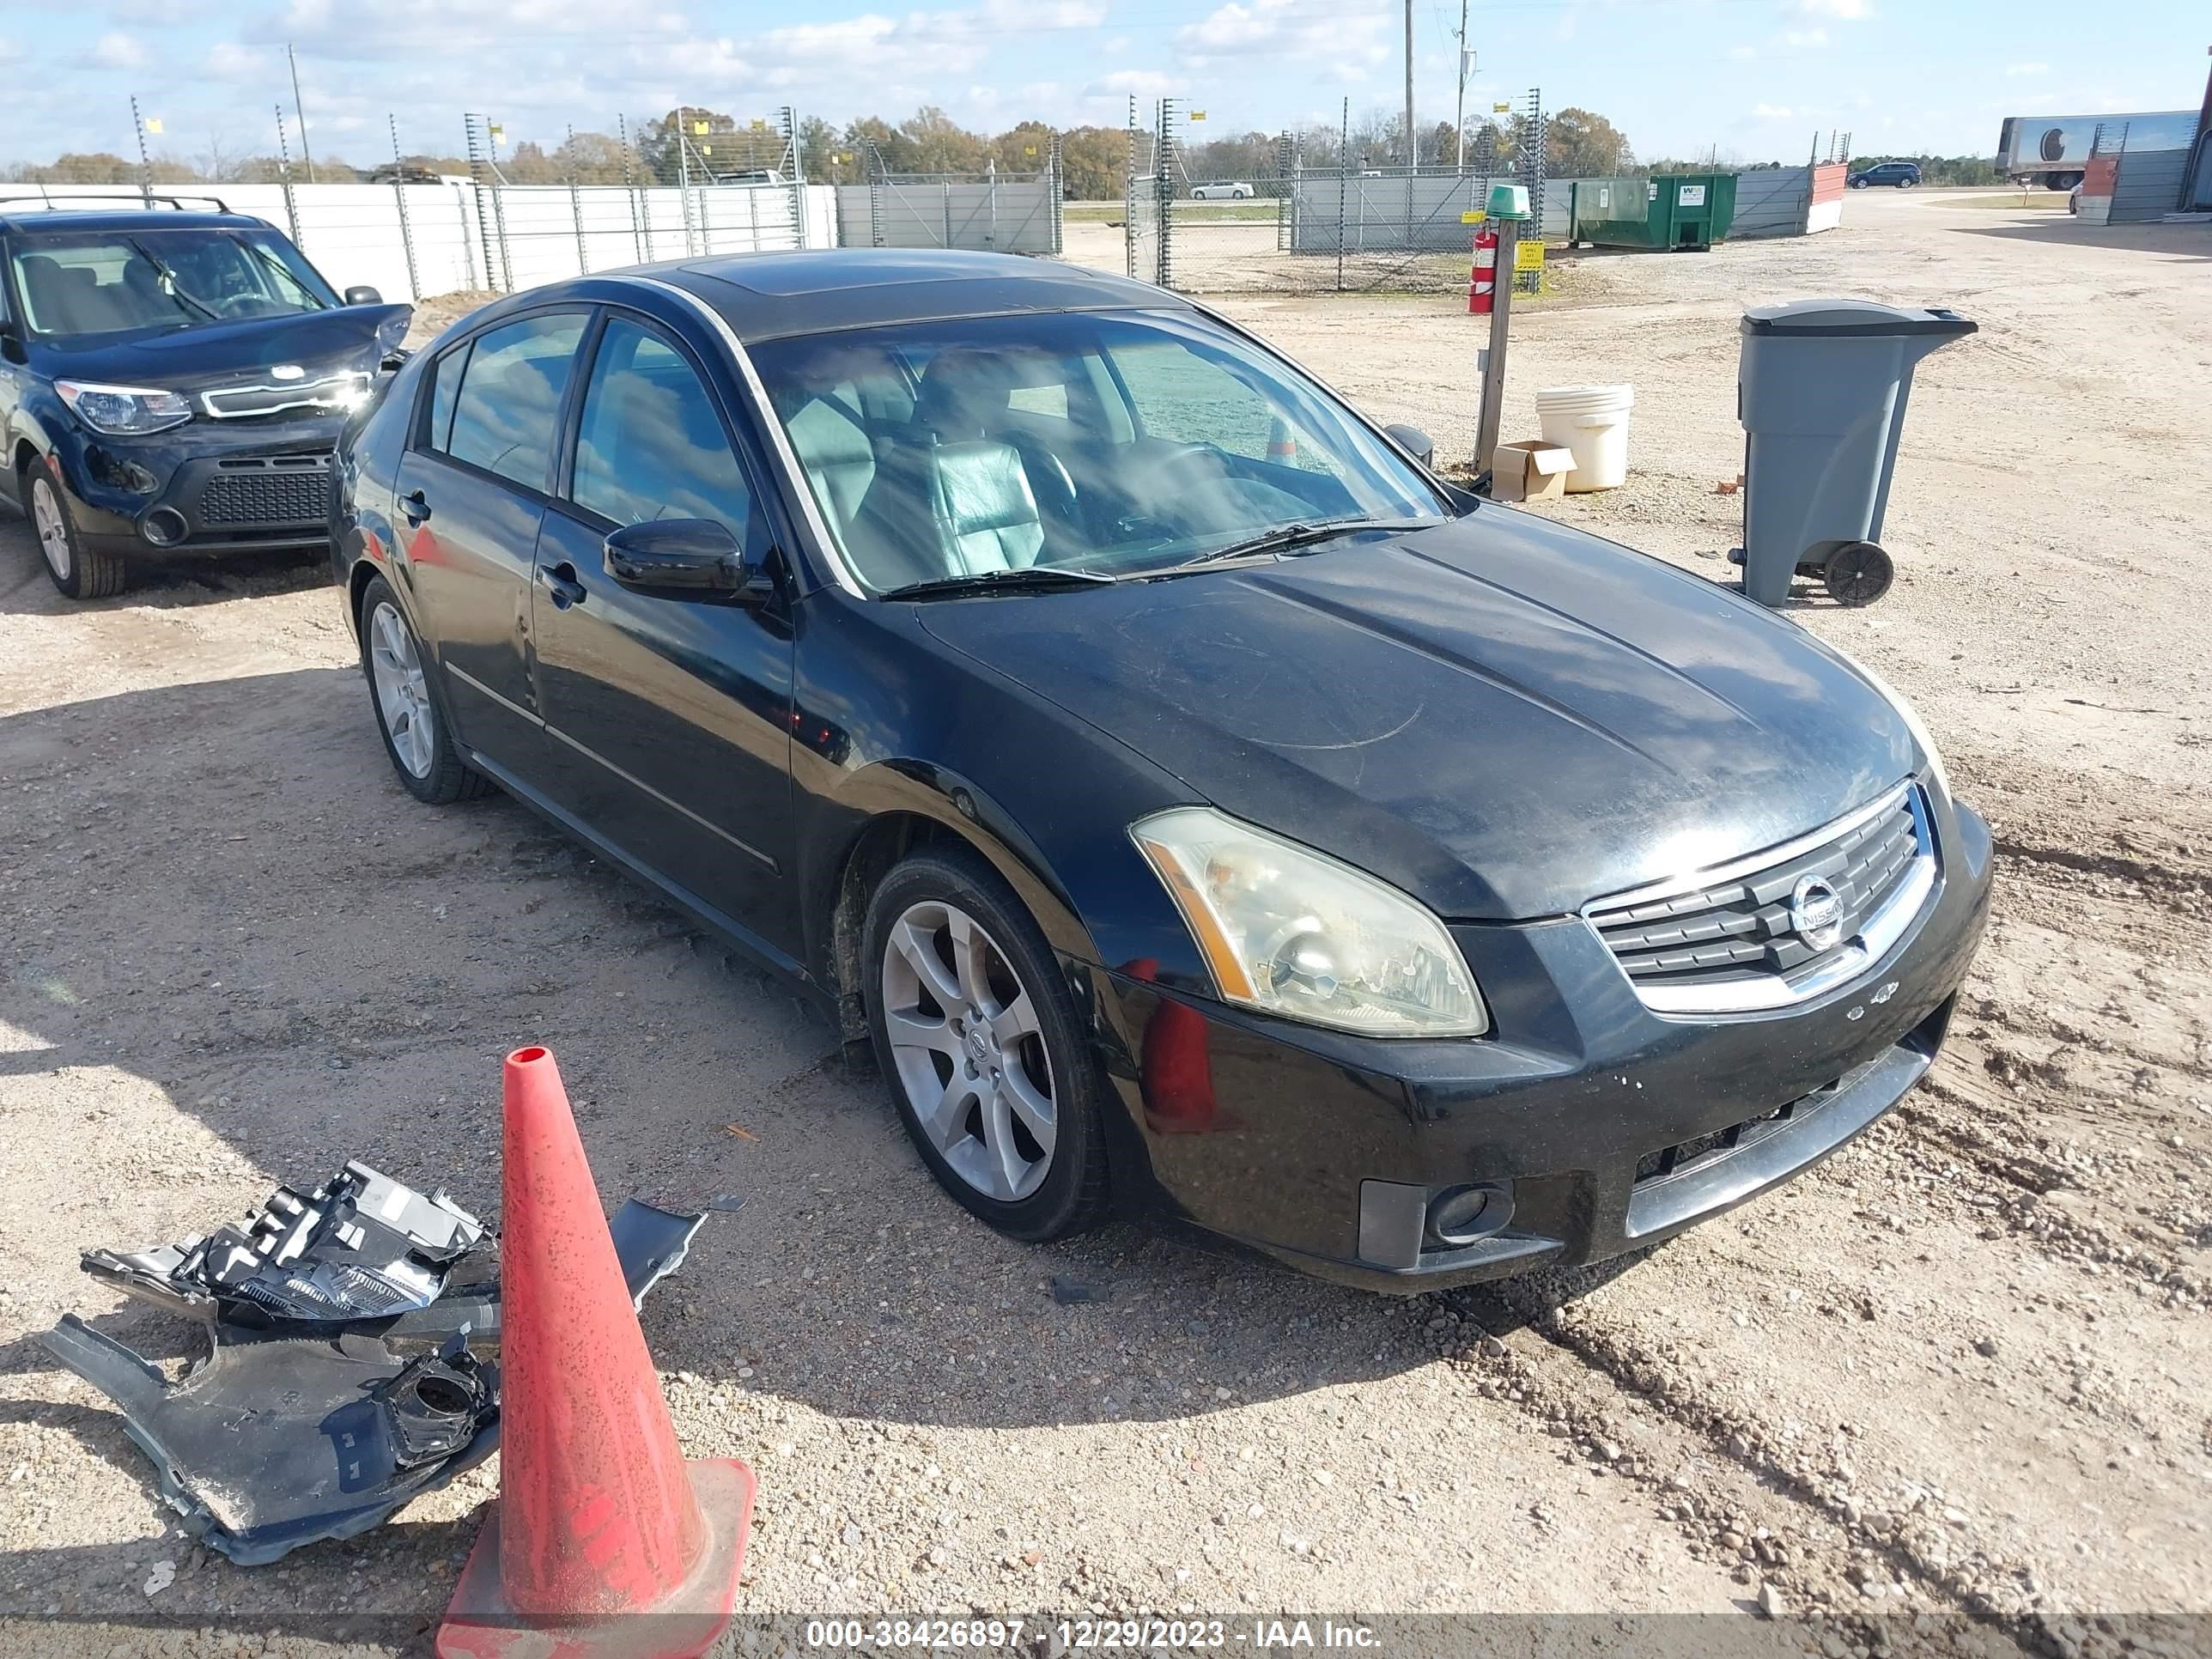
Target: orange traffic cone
604,1540
1282,447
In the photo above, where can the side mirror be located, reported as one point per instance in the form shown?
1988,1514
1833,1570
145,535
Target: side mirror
364,296
1415,442
688,556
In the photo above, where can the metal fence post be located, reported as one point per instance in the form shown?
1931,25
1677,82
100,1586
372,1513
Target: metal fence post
399,195
1129,237
576,209
1164,190
475,126
1343,172
467,242
1058,198
284,172
637,230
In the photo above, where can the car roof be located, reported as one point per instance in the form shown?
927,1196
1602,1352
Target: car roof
766,296
29,217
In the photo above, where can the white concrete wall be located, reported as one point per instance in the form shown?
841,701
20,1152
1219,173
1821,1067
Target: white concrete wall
351,233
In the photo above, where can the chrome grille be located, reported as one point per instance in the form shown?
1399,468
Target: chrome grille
345,390
1739,936
248,491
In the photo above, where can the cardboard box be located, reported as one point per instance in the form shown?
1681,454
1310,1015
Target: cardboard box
1530,470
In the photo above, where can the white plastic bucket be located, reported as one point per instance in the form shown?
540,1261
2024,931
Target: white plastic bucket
1593,422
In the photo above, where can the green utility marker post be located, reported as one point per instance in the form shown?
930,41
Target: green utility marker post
1509,206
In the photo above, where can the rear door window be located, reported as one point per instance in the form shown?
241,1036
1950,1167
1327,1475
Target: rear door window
507,414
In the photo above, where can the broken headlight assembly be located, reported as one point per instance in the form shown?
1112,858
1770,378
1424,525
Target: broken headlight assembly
1292,931
125,410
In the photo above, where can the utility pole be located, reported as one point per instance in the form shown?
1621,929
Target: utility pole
1459,112
1413,144
307,153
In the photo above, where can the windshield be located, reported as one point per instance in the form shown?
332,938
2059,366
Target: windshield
1122,443
121,282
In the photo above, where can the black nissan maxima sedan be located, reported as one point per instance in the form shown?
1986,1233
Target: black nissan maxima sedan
1195,802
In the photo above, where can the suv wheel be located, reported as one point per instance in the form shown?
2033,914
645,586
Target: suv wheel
79,571
416,734
979,1041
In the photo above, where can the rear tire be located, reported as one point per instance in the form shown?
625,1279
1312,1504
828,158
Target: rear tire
80,572
417,737
982,1048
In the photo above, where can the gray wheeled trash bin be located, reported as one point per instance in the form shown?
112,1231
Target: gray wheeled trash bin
1820,389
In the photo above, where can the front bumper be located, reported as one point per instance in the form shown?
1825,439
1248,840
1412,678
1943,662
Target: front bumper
209,488
1597,1126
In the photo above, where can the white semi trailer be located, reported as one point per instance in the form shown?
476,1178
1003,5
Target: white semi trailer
2053,150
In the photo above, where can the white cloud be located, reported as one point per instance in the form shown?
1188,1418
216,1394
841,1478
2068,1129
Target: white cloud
226,60
1805,40
2027,68
1849,11
118,50
1142,84
1770,112
851,35
1743,54
1357,32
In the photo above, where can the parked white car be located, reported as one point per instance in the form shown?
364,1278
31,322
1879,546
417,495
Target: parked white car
1222,190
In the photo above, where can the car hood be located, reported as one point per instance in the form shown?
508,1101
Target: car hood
240,353
1505,717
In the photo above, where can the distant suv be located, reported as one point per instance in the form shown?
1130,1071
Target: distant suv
171,383
1903,174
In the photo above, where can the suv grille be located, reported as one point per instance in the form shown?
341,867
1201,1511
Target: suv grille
1779,926
247,491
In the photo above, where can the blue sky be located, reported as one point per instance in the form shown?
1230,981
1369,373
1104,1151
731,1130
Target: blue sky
1754,77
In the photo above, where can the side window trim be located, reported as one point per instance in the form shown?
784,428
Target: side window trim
536,492
761,530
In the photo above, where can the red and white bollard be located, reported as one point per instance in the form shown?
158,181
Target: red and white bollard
1482,279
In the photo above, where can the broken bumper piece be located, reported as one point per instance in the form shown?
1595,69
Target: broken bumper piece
295,1431
360,1246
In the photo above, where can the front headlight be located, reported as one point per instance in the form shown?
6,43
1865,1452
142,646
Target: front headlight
392,332
124,411
1292,931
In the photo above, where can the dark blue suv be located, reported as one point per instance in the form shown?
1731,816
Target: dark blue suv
1904,175
172,383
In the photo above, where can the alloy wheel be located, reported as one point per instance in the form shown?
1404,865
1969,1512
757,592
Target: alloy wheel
970,1051
403,695
47,513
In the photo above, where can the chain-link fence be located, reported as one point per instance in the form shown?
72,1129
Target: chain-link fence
991,211
1291,228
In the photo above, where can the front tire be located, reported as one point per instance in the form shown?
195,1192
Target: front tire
417,738
980,1047
80,572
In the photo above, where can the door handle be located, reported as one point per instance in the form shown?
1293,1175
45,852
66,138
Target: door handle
413,508
561,582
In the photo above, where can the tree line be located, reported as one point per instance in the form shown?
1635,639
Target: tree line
706,145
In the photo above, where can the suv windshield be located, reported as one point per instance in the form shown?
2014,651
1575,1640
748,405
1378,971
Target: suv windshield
118,282
1119,443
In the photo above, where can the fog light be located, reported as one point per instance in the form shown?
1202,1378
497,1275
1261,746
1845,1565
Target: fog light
1465,1215
164,526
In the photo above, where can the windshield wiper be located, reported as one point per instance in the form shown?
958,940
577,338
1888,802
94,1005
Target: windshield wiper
1281,539
1031,578
176,290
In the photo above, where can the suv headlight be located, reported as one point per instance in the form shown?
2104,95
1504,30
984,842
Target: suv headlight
1292,931
124,411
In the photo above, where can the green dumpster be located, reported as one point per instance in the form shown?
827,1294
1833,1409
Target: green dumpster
1666,210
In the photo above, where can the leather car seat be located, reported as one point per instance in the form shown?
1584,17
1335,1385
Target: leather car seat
985,511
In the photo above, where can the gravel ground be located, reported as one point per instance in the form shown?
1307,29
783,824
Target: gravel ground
1944,1394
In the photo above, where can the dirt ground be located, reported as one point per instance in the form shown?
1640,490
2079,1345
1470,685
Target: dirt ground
1945,1393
